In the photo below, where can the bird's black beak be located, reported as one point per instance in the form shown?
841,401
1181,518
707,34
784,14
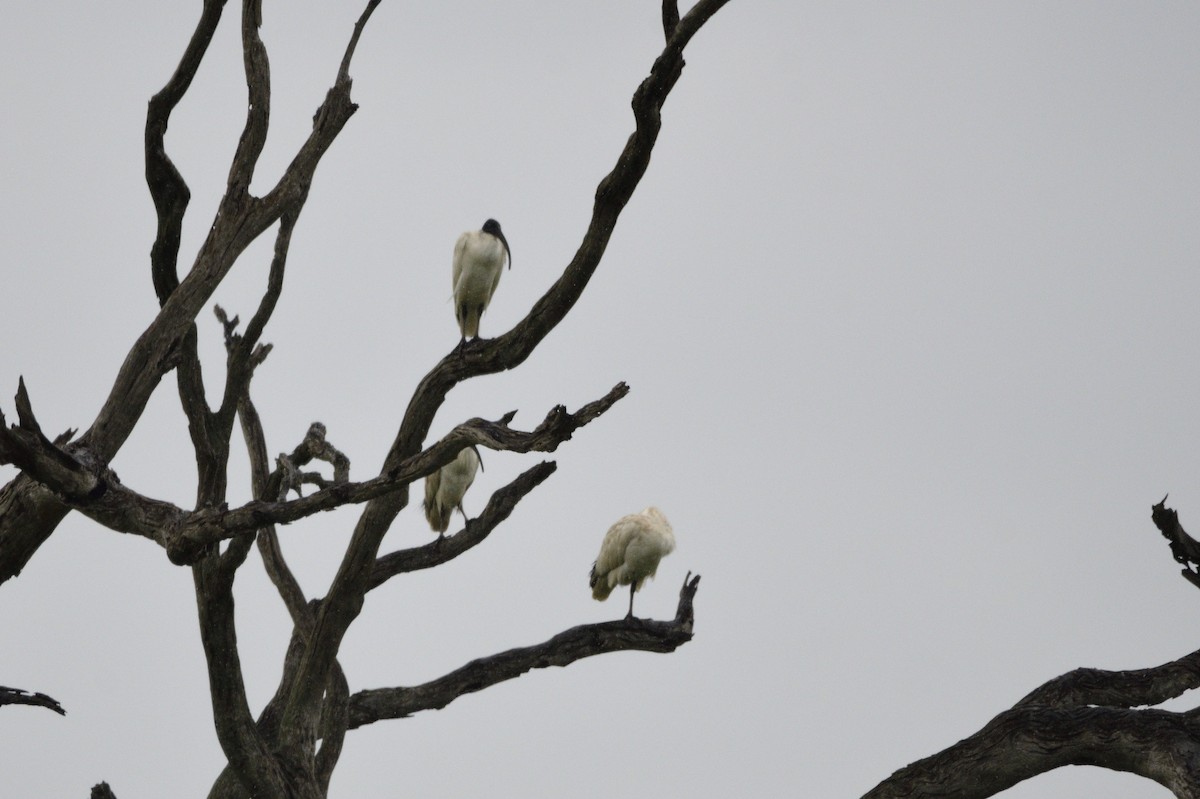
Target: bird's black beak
504,241
493,227
477,455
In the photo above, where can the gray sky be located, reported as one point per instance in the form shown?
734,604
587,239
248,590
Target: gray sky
908,305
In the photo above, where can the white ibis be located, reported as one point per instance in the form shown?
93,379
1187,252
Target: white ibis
444,489
630,553
479,257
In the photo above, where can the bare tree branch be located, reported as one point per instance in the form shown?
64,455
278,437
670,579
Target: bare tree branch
1084,717
281,575
167,187
1184,548
257,70
185,535
1134,688
480,357
24,446
1032,739
227,785
670,17
248,752
345,598
29,513
281,767
367,707
343,76
15,696
314,446
437,552
209,525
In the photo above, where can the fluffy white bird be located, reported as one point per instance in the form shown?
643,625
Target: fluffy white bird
479,257
630,553
444,489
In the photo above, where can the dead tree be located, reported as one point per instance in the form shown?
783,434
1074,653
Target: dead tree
291,748
1086,717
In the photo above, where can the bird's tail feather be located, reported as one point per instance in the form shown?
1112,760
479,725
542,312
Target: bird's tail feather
439,517
468,320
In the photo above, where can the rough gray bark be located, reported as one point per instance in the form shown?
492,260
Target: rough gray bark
1086,717
291,747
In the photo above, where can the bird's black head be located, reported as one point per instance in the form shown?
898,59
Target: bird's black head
493,227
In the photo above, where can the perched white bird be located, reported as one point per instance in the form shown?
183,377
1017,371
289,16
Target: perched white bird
478,261
630,553
444,489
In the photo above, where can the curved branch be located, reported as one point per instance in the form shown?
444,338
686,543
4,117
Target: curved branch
587,640
480,357
167,187
257,69
280,574
1032,739
343,76
1133,688
435,553
1084,717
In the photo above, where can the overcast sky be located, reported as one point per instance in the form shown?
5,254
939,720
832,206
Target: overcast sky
907,300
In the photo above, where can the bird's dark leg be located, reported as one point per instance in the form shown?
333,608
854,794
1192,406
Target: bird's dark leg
632,588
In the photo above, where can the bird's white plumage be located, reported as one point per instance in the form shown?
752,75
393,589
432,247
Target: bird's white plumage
444,489
630,553
478,261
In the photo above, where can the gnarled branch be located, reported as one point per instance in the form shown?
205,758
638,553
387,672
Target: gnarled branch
587,640
28,512
209,525
1132,688
1032,739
